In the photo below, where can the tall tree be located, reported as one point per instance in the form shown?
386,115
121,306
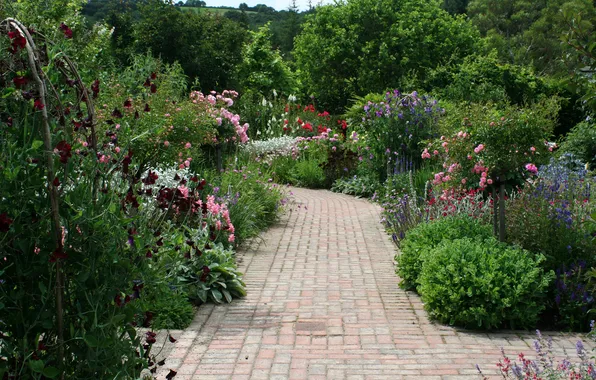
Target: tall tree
527,31
369,45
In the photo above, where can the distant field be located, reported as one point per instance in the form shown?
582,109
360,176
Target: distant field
211,10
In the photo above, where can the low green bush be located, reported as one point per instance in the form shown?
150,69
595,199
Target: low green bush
360,186
426,236
483,284
309,173
169,307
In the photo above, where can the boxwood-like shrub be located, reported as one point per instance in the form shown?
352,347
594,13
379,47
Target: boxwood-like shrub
424,237
483,284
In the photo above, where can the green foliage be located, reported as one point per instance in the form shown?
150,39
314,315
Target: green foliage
580,37
212,277
547,216
262,69
425,237
497,142
482,78
581,142
483,284
185,37
528,32
455,7
574,296
170,307
368,46
360,186
309,173
254,203
56,221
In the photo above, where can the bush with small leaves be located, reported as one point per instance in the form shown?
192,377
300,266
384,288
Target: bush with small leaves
426,236
483,284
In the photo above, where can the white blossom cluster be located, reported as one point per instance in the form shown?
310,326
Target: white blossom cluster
282,146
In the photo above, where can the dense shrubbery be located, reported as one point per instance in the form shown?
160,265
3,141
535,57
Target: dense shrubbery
422,239
483,284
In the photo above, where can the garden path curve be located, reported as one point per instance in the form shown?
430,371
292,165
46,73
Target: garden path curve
324,303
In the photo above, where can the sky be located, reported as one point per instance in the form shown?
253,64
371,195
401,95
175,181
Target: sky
277,4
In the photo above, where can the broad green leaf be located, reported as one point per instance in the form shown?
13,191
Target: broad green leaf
216,294
91,340
36,144
227,295
36,365
51,372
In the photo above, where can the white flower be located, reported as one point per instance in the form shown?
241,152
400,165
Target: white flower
264,102
274,93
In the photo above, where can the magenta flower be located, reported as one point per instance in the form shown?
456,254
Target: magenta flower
531,168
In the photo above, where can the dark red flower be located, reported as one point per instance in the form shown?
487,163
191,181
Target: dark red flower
19,81
56,182
171,338
130,198
153,88
150,337
148,254
9,122
137,114
171,375
206,272
118,300
5,222
153,75
66,30
64,150
58,254
18,41
67,111
151,178
147,109
127,103
71,82
77,125
116,113
147,83
38,104
95,88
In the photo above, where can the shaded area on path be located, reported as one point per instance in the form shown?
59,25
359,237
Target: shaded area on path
324,303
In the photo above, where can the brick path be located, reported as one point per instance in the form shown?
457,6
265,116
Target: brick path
324,303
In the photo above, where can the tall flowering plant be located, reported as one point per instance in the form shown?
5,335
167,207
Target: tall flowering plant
70,240
398,125
495,153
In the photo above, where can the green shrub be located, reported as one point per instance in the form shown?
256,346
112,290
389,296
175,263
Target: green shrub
483,284
170,307
360,186
213,277
308,173
581,142
426,236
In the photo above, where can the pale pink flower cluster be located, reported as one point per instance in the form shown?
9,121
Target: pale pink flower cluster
218,210
225,99
441,178
479,148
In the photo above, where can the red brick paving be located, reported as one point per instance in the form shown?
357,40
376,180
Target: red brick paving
324,303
